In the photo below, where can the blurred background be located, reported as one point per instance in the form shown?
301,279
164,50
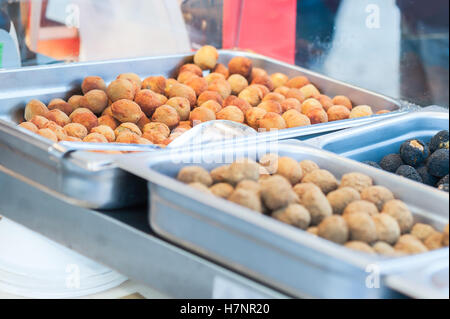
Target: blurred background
399,48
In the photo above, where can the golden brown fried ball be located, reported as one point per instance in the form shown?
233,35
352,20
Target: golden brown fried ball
195,174
181,90
240,170
222,190
222,87
362,227
253,115
235,101
186,76
39,121
361,111
387,228
209,95
310,105
383,112
49,134
252,95
219,174
238,83
290,169
95,138
308,166
445,237
434,241
169,84
60,104
310,91
109,121
297,82
213,106
182,106
324,179
133,78
317,204
357,181
199,85
271,106
76,130
206,57
121,89
58,130
57,116
294,118
341,198
276,97
106,131
93,83
33,108
156,132
201,114
144,120
212,77
167,115
127,127
291,104
95,100
231,113
250,186
247,199
155,83
263,79
279,79
71,139
190,67
75,101
317,116
422,231
295,94
149,101
295,215
338,113
283,90
361,206
343,100
385,249
379,195
269,162
276,192
107,111
361,247
126,111
398,210
271,121
241,65
326,102
222,69
258,72
301,189
410,245
335,229
29,126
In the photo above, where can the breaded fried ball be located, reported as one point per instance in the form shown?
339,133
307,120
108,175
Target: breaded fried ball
253,116
155,83
326,102
167,115
290,169
95,138
295,215
213,106
295,94
95,100
235,101
126,111
195,174
206,57
361,206
190,67
308,166
57,116
60,104
279,79
291,104
39,121
219,174
398,210
361,111
231,113
379,195
121,89
357,181
271,106
149,101
251,95
58,130
283,90
445,237
317,205
434,241
361,247
310,105
241,65
209,95
76,130
276,97
310,91
238,83
324,179
385,249
313,230
338,113
212,77
182,106
410,245
29,126
130,127
182,90
93,83
222,87
341,198
222,190
48,134
84,117
335,229
199,85
109,121
294,118
250,186
75,101
317,116
222,69
343,100
184,77
297,82
422,231
276,192
263,79
201,114
133,78
106,131
242,169
362,227
269,162
387,227
247,199
33,108
200,187
271,121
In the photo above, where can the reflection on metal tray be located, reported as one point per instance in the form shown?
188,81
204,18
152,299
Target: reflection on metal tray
285,257
92,180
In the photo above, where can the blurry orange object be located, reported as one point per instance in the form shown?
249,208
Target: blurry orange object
267,27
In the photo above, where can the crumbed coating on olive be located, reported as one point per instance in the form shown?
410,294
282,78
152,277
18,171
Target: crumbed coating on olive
75,101
317,205
106,131
357,181
295,94
326,102
121,89
126,111
263,79
270,122
362,227
39,121
379,195
209,95
326,181
167,115
244,106
95,100
182,106
199,85
410,245
361,206
155,83
93,83
279,79
301,189
108,120
213,106
361,111
48,133
254,115
182,90
212,77
310,91
269,162
76,130
383,248
59,117
276,97
317,116
247,199
222,87
222,190
201,114
63,106
250,186
242,169
200,187
310,105
308,166
422,231
401,213
195,174
58,130
338,113
29,126
295,215
387,228
313,230
251,95
95,138
238,83
341,198
291,104
131,127
294,118
133,78
335,229
241,65
361,247
434,241
276,192
297,82
231,113
206,57
149,101
222,69
218,174
343,100
271,106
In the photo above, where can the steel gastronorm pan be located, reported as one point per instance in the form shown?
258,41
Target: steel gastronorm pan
93,180
279,255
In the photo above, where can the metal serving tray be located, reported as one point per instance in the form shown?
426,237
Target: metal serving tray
282,256
93,180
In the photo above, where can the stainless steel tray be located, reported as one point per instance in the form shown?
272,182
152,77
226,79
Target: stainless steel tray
267,250
93,180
